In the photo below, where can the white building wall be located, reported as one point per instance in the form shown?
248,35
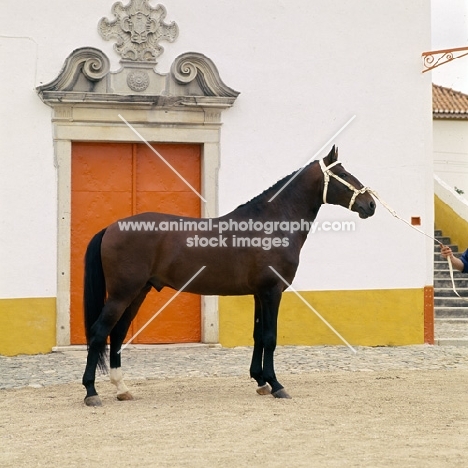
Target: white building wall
451,153
28,220
303,69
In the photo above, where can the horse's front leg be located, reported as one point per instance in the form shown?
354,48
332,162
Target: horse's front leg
270,301
256,368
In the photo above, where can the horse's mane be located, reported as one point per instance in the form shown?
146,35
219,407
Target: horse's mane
269,192
276,186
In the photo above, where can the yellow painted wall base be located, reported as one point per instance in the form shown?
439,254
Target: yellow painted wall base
451,224
364,318
27,326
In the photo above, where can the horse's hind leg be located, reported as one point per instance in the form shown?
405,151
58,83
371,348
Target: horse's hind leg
117,337
101,329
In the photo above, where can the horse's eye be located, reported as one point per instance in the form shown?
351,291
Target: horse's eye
343,175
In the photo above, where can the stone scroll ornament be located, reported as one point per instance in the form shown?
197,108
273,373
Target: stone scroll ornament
89,61
138,28
193,66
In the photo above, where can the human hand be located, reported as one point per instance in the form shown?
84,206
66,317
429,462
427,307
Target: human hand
446,251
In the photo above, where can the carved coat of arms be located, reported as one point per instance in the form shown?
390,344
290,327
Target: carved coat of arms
138,28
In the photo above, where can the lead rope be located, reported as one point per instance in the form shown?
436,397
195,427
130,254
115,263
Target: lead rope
326,175
393,212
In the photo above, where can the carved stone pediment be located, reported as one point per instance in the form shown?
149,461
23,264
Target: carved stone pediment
86,76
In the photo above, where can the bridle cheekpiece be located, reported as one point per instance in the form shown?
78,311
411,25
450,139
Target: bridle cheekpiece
326,179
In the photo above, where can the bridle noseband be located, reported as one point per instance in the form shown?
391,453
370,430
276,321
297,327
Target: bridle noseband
326,179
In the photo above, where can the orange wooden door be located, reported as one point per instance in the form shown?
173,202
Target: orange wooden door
112,181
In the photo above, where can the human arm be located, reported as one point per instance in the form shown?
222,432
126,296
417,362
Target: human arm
446,252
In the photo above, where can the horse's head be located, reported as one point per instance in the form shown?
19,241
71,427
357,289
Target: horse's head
342,188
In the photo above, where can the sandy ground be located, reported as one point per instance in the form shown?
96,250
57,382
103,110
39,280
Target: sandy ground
335,419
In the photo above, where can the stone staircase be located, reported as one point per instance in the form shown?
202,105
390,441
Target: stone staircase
451,312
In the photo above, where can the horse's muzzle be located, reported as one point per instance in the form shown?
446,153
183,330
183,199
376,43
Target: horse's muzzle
365,209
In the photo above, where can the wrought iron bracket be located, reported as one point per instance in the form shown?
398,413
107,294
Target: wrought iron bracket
436,58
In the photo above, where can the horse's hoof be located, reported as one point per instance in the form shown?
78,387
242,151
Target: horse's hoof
127,396
93,401
281,393
264,390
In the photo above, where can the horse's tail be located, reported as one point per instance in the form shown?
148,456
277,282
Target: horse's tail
94,291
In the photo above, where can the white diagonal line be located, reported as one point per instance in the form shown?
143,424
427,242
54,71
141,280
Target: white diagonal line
186,182
313,310
312,158
161,309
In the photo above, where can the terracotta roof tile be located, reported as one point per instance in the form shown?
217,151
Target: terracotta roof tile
449,104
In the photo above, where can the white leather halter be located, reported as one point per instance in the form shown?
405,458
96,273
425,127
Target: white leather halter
326,179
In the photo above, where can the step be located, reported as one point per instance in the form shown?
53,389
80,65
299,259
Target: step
437,232
447,283
438,256
452,246
451,312
452,301
454,321
448,292
451,342
458,288
444,239
451,331
442,264
446,274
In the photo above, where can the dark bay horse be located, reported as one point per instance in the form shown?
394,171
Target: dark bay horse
241,254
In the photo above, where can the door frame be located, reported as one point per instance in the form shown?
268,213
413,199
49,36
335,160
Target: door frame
81,122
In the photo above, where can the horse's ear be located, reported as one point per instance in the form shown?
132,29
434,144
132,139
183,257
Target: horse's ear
332,156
